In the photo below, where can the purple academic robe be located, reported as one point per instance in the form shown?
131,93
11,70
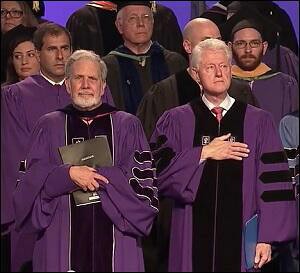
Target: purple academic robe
42,198
22,104
277,93
181,175
288,62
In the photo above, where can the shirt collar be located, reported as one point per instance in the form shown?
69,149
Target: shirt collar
52,82
225,104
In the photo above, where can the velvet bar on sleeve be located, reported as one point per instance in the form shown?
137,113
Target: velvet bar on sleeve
266,187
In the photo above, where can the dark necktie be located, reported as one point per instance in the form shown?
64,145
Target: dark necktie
218,112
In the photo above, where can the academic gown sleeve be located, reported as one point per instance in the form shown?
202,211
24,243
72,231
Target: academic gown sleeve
275,196
14,134
291,89
46,179
289,63
177,162
130,199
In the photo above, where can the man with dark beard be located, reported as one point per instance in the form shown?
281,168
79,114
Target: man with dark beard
249,35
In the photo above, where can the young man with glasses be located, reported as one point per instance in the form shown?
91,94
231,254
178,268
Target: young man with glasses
250,35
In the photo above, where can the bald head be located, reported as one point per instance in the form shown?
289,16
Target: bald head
198,30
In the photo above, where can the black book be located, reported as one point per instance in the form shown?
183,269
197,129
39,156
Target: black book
93,153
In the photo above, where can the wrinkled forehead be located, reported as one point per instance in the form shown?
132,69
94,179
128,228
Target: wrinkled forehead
213,56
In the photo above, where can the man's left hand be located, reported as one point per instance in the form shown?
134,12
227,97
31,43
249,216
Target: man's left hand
262,255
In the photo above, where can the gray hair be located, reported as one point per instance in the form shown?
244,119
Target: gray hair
89,55
209,44
119,15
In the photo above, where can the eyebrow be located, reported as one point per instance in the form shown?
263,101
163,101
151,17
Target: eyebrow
19,52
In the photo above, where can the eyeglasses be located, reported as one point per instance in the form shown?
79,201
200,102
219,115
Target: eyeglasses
242,44
145,18
13,13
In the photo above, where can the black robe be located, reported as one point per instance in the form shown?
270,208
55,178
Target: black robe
177,90
93,28
129,79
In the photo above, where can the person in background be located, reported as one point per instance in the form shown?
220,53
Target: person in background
139,63
277,56
289,134
249,35
20,51
14,13
92,27
216,158
218,13
100,236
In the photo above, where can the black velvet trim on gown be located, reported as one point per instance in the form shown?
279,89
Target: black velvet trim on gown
217,245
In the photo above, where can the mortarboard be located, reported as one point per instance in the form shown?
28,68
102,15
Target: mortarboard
248,17
122,4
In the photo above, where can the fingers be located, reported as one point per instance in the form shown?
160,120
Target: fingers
263,261
240,155
239,144
224,137
257,259
101,178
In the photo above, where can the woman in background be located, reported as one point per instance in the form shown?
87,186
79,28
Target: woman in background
22,60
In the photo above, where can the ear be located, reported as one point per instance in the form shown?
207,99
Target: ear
119,26
194,74
103,88
187,46
38,55
229,45
265,47
68,85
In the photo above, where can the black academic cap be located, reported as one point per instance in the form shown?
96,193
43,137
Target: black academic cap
122,4
248,17
37,8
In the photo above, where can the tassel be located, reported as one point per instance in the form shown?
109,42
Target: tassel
36,6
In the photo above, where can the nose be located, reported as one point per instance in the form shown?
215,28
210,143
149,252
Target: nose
218,71
85,83
60,54
24,59
140,21
248,48
7,14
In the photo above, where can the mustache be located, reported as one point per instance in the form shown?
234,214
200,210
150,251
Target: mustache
85,92
248,56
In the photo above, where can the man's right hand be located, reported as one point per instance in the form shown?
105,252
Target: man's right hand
87,178
220,148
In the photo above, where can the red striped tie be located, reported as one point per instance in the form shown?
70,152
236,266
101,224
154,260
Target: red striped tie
218,112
